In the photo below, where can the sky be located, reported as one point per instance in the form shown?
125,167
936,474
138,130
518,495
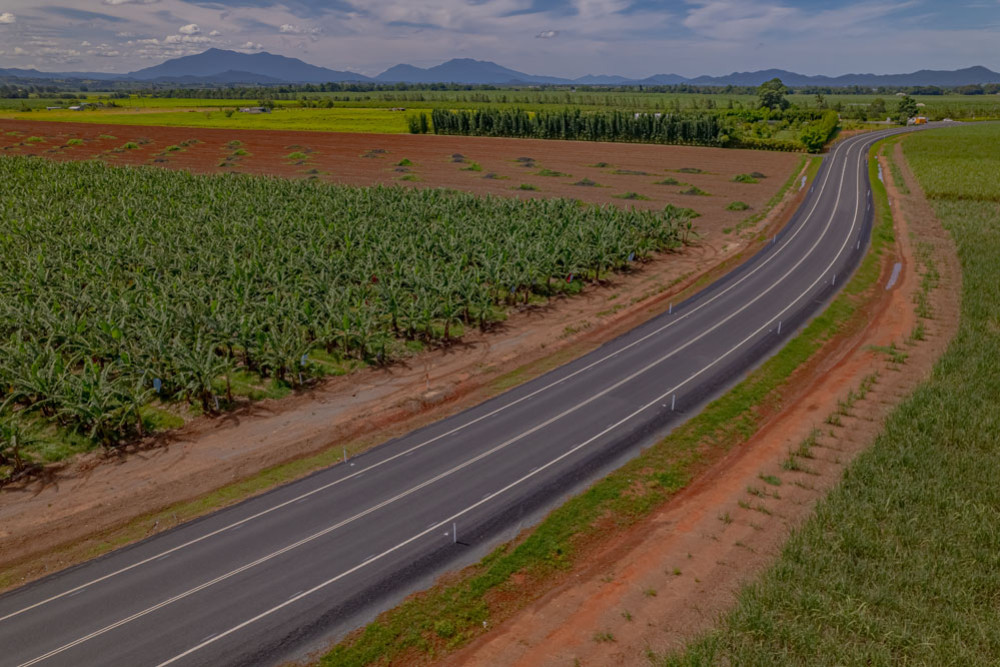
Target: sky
635,38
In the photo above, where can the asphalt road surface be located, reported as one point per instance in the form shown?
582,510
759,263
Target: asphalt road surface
267,579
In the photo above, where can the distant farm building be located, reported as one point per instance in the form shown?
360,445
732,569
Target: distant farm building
255,110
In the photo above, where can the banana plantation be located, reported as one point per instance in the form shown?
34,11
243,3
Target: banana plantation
126,288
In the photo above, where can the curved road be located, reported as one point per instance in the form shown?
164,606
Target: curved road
272,577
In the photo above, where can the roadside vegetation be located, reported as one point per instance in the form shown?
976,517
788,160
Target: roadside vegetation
451,614
900,563
134,297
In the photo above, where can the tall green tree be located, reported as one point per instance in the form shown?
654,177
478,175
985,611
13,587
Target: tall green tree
907,109
772,95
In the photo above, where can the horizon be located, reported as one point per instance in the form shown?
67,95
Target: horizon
594,74
558,38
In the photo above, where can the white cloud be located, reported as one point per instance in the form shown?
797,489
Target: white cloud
747,20
251,46
113,53
186,39
85,44
547,34
189,29
290,29
214,33
129,2
7,17
18,51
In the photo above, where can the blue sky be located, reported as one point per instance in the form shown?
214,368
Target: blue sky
557,37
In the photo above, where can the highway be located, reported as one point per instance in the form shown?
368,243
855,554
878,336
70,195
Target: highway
263,581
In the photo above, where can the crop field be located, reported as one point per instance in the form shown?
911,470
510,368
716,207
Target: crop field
900,564
382,121
708,180
130,296
372,111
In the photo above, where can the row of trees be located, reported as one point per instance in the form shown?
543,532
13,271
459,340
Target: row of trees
726,127
665,128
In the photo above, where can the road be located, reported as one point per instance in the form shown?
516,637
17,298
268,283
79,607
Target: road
260,582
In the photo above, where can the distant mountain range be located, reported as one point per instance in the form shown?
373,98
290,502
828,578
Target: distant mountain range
218,66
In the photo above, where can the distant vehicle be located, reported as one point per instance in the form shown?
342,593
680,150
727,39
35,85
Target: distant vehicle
255,110
919,120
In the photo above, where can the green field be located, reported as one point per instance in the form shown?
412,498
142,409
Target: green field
130,297
370,111
901,563
325,120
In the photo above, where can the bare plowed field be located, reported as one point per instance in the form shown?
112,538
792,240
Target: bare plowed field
640,175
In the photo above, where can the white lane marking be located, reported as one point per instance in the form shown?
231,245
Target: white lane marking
559,458
421,445
514,439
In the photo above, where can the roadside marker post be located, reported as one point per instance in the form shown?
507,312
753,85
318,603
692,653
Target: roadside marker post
454,533
670,311
779,327
673,402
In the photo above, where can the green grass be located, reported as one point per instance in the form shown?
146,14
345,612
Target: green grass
737,206
745,178
660,471
668,181
634,196
900,564
380,121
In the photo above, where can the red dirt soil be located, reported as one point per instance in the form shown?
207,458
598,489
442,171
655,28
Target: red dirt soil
670,578
89,502
369,159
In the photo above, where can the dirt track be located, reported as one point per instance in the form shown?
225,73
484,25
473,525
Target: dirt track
669,578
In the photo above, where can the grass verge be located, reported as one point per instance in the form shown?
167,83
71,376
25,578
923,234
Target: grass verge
899,565
414,628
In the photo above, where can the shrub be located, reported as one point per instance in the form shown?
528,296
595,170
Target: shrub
738,206
744,178
130,146
668,181
528,186
694,190
633,196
